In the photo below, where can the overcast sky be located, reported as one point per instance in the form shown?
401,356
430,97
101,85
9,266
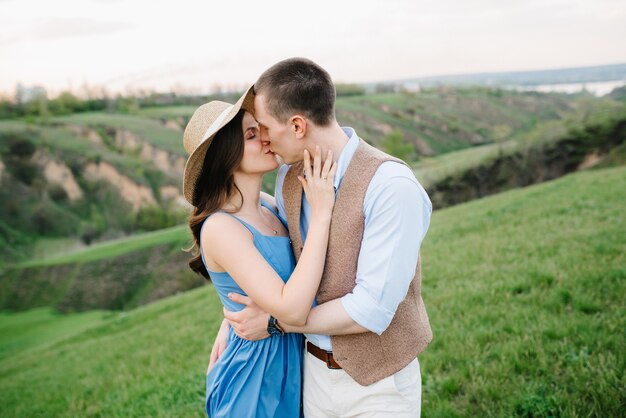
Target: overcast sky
160,44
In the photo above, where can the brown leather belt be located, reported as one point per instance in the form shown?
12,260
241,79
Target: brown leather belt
325,356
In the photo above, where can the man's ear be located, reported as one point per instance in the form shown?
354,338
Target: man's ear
298,125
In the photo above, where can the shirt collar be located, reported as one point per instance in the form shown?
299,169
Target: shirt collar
346,155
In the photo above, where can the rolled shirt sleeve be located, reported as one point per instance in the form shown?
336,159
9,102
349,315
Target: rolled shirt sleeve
397,216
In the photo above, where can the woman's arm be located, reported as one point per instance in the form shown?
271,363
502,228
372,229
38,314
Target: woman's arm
230,245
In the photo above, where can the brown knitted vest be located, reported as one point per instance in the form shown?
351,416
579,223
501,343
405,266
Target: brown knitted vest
366,357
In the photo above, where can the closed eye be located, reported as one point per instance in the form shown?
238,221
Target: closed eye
251,132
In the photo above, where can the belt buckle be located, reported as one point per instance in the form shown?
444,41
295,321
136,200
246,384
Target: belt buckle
329,364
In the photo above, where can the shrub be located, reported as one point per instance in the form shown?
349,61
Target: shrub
48,219
154,217
57,193
21,147
25,171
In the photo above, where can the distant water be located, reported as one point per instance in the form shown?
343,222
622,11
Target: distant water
598,88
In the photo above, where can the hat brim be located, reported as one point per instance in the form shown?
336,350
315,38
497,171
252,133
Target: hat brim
193,166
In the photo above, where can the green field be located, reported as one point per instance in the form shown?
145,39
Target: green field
148,129
437,120
441,132
41,327
114,248
524,289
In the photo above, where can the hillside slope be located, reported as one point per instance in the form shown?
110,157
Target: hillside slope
139,269
436,121
524,291
97,176
117,274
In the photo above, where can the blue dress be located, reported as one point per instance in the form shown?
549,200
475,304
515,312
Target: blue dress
256,378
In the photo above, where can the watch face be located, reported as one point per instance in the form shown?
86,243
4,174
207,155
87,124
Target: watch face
273,331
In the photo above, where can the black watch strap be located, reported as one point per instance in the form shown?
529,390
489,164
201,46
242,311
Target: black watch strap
273,328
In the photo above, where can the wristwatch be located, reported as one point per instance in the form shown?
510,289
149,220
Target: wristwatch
273,328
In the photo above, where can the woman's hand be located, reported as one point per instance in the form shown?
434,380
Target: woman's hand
219,345
319,183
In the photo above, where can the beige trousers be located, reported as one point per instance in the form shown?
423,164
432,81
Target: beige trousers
332,393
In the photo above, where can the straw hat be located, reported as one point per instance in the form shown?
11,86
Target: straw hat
206,121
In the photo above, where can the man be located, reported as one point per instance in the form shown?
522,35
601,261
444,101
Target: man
370,323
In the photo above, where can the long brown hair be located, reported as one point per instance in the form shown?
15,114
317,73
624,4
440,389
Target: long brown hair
216,183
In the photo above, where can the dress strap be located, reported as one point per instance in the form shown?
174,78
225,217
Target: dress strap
267,205
249,227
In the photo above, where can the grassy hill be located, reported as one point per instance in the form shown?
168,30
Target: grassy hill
589,114
88,177
520,164
97,176
63,279
439,120
117,274
524,289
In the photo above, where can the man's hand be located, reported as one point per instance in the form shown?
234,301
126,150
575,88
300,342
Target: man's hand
249,323
219,345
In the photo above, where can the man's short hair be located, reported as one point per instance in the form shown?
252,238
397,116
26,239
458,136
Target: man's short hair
298,85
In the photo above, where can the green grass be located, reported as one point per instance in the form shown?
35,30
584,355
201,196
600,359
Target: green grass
525,293
52,247
148,363
524,290
41,327
117,247
148,129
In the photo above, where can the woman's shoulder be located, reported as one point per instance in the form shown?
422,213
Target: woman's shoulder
269,199
220,225
221,230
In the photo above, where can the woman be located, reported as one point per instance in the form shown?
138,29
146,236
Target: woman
245,248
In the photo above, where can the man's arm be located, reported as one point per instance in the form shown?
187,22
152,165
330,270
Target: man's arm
329,318
397,216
